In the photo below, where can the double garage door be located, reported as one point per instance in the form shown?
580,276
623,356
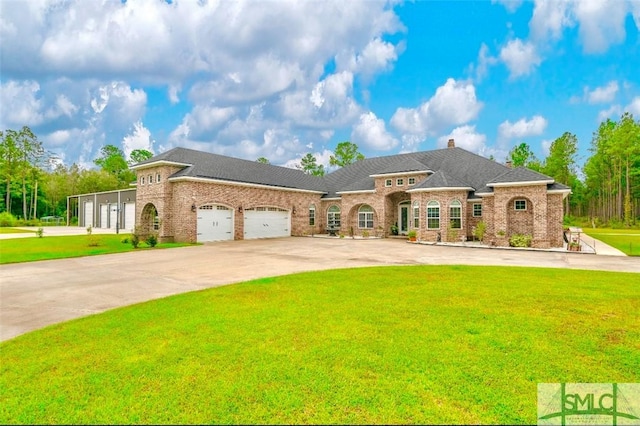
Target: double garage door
215,223
266,222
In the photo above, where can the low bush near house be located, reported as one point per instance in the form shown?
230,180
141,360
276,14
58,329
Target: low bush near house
40,232
152,240
520,240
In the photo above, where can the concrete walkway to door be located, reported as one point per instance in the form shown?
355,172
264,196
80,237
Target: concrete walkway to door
36,294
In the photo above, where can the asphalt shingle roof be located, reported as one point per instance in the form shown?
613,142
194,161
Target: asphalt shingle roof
440,179
520,174
452,167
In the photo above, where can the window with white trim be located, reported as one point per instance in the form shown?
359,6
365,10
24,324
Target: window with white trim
477,210
312,215
412,181
388,182
416,214
142,180
365,217
399,182
520,204
333,217
158,177
150,179
455,215
433,215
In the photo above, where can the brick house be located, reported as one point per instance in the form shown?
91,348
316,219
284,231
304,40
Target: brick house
187,195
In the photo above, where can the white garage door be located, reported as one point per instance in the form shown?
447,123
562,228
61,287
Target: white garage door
104,215
88,214
215,223
266,222
129,216
113,216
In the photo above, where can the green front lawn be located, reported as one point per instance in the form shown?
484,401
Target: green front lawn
29,249
414,344
5,230
625,240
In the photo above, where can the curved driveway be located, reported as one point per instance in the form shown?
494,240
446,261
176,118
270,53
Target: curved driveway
36,294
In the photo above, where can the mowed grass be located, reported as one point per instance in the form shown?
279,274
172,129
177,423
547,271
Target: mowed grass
413,344
5,230
30,249
625,240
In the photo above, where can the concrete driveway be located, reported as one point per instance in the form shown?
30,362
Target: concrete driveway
37,294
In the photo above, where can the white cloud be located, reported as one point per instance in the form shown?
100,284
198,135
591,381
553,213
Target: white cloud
550,18
546,146
329,103
510,5
376,56
453,103
139,139
466,137
485,60
601,23
522,128
634,107
520,57
241,71
613,112
370,131
21,104
603,94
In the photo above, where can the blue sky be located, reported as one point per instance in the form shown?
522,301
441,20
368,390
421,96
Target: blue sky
282,78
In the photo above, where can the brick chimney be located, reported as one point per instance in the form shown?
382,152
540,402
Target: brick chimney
451,143
509,164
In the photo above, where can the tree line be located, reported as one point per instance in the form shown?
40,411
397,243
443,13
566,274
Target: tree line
34,183
607,189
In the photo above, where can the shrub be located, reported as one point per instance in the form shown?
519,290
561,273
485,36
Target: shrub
7,219
135,239
125,240
365,234
520,240
40,232
152,240
93,241
480,230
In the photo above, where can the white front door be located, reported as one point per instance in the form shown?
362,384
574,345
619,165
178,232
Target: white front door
215,223
403,217
266,222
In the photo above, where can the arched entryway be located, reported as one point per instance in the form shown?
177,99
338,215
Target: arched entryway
149,220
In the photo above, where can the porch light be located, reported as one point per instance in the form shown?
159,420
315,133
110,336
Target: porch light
293,210
193,207
240,209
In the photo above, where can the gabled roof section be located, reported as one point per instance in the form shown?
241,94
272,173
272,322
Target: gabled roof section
173,157
403,166
440,180
520,176
204,165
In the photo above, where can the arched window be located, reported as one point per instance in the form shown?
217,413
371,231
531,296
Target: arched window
312,215
333,217
433,215
365,217
455,215
416,214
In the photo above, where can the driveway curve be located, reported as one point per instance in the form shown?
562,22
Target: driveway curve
36,294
